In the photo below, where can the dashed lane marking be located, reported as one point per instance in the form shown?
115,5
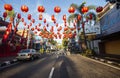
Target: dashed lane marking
51,72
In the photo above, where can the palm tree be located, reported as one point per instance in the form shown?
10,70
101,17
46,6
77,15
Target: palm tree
83,16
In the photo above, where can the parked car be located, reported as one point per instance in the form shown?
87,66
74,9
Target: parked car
27,54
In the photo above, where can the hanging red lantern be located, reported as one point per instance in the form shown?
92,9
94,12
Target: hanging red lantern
54,21
56,24
99,9
64,17
79,17
90,16
33,20
22,19
65,24
84,9
38,29
65,21
44,28
40,17
5,37
57,9
19,16
66,28
47,25
29,16
70,35
39,24
44,20
35,32
41,9
30,24
7,32
24,8
52,17
8,7
32,29
71,9
5,14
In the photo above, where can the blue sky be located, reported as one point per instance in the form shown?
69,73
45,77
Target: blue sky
49,8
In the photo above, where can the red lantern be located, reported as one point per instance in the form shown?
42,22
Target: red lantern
38,29
19,16
30,24
71,9
52,17
29,16
57,9
84,9
57,25
66,28
64,17
7,32
32,29
22,19
8,7
39,24
5,37
47,25
24,8
41,9
33,20
54,21
99,9
79,17
90,16
40,17
5,14
44,28
44,20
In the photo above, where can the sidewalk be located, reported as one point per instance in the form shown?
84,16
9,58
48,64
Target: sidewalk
7,60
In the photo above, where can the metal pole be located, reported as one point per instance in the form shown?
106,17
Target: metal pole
28,39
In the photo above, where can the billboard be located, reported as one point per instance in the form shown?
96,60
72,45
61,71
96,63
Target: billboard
93,28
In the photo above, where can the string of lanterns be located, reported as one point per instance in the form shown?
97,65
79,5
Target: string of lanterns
45,33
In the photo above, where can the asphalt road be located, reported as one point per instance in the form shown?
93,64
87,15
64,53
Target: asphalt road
60,66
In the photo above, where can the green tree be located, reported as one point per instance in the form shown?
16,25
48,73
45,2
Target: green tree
53,42
83,16
65,43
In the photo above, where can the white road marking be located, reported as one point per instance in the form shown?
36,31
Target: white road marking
51,72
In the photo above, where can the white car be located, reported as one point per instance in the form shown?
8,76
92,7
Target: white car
27,54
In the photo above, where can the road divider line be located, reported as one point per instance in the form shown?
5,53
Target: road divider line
51,72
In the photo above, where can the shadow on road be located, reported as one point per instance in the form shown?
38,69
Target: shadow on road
63,71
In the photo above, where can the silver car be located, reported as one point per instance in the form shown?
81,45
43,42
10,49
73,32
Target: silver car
27,54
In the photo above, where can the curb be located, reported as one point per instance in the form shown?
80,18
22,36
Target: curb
106,61
6,63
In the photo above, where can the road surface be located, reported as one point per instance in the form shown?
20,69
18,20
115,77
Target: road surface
60,66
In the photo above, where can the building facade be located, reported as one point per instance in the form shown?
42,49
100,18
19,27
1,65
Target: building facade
110,31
